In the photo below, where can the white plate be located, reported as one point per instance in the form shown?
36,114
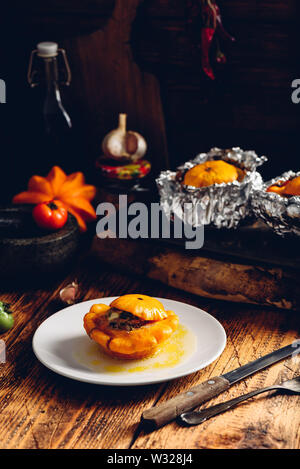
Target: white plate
62,345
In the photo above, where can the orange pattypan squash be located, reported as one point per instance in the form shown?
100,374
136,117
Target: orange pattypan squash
277,188
128,334
211,172
286,188
293,187
57,177
70,190
143,306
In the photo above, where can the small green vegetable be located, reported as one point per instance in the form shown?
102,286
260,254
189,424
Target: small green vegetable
6,317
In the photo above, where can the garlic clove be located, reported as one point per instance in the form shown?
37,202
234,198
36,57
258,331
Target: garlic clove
68,294
132,143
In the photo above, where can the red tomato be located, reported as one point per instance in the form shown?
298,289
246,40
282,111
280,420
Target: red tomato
50,215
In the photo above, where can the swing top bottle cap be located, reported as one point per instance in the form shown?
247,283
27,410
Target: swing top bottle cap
47,49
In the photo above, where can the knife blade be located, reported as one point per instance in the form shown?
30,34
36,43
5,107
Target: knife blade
158,416
261,363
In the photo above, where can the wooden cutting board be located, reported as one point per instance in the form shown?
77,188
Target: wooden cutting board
250,264
253,241
203,274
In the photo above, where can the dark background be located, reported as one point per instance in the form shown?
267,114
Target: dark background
181,112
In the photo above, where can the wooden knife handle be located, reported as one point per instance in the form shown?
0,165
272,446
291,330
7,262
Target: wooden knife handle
160,415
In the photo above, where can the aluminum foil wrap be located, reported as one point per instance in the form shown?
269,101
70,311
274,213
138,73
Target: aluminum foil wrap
280,213
223,205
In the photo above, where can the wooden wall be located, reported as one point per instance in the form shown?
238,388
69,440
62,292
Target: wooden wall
249,104
106,81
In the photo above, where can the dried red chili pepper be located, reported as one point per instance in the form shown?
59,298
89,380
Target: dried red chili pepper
220,28
207,35
211,24
220,57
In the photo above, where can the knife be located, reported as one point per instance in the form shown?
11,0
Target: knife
160,415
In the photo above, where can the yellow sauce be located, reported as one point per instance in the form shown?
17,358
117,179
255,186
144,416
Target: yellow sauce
176,350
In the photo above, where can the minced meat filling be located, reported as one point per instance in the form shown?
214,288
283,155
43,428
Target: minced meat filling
124,321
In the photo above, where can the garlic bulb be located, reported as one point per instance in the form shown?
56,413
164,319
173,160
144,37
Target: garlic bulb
123,144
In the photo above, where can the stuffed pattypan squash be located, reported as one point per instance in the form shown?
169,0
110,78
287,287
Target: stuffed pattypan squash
212,172
131,327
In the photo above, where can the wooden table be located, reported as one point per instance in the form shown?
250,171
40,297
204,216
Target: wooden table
39,409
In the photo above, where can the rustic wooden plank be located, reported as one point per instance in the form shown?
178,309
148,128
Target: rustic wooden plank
278,10
39,409
247,92
242,113
61,18
262,423
201,275
167,43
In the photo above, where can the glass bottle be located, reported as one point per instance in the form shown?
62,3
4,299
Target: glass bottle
55,135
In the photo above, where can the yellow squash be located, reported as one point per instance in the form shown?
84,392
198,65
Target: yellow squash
158,326
211,172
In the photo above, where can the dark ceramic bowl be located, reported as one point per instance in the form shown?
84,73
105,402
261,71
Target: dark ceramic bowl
27,250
